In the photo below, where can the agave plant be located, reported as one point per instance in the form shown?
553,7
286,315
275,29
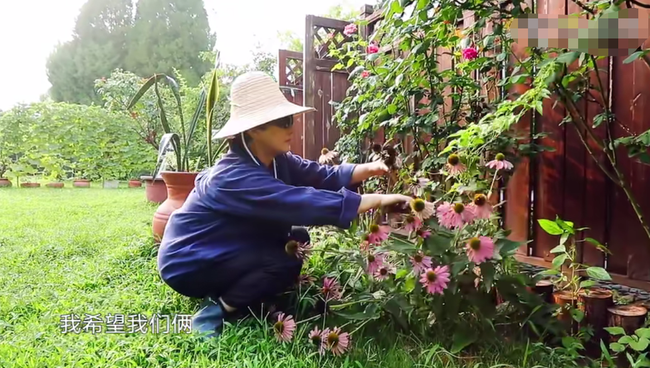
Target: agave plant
180,142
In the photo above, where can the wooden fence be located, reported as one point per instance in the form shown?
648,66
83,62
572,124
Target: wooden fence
566,182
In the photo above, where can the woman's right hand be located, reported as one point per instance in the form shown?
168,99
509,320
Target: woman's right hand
370,201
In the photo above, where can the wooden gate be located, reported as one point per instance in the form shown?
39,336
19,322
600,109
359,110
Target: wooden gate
321,84
291,81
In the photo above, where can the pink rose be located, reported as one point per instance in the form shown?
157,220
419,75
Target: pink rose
470,53
350,29
373,49
365,74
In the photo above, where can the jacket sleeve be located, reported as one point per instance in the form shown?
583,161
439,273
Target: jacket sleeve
310,173
258,195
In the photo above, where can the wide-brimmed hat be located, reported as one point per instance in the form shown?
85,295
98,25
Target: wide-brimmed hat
255,99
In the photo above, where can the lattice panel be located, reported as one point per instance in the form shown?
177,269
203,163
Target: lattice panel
294,72
326,38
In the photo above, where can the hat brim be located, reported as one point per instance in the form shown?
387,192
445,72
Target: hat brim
235,126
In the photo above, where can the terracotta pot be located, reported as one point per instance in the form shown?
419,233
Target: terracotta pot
594,303
54,185
566,300
544,288
81,183
629,317
135,183
155,190
30,185
179,186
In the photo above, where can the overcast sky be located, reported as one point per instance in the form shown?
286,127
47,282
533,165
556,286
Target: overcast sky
36,26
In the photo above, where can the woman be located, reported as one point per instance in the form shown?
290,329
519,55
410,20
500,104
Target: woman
227,243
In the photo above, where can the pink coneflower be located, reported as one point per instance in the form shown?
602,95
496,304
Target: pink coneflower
298,249
500,163
454,215
335,341
350,29
480,249
481,207
374,262
331,289
422,209
420,262
316,338
454,165
435,280
284,328
378,233
306,279
424,233
412,223
470,53
372,49
365,74
384,271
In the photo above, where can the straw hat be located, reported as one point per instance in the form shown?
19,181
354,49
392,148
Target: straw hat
255,99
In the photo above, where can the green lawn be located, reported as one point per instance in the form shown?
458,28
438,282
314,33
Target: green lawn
88,252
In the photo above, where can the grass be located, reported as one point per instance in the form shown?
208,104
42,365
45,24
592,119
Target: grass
89,251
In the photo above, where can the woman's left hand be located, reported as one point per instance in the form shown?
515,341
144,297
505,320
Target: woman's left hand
377,168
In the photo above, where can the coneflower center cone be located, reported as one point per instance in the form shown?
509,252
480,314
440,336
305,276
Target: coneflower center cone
279,326
418,204
417,258
374,228
475,243
371,258
383,271
333,338
431,276
453,159
291,247
500,157
480,199
324,151
459,208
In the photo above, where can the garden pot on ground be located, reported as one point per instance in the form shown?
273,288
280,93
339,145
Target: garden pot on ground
566,301
179,186
5,183
629,317
81,183
155,190
135,183
30,185
55,185
111,184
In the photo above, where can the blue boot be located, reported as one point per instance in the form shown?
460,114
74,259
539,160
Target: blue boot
209,319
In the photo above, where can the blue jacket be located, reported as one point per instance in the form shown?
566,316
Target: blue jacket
238,206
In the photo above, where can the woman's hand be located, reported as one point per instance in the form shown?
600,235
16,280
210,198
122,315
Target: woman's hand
370,201
368,170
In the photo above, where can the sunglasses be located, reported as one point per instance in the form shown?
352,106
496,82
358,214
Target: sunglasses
284,123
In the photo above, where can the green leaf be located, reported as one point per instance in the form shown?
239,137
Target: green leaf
399,79
617,347
507,247
587,284
598,246
437,244
640,345
372,57
395,7
401,273
392,108
577,315
568,58
643,333
550,227
409,284
371,312
559,249
487,272
627,339
559,260
634,56
564,238
464,337
598,273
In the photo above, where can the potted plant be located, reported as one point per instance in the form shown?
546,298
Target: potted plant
173,163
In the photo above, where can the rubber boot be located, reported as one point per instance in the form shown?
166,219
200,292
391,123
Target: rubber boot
209,319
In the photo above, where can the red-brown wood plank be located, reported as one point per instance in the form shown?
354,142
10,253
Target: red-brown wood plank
549,190
628,242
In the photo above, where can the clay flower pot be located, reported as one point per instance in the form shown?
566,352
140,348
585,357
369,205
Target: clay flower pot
179,186
55,185
81,183
629,317
594,303
30,185
566,301
133,183
5,183
155,190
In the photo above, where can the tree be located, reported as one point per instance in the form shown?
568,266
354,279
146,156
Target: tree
97,47
170,34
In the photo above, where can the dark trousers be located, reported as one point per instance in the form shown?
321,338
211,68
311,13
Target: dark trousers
247,279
